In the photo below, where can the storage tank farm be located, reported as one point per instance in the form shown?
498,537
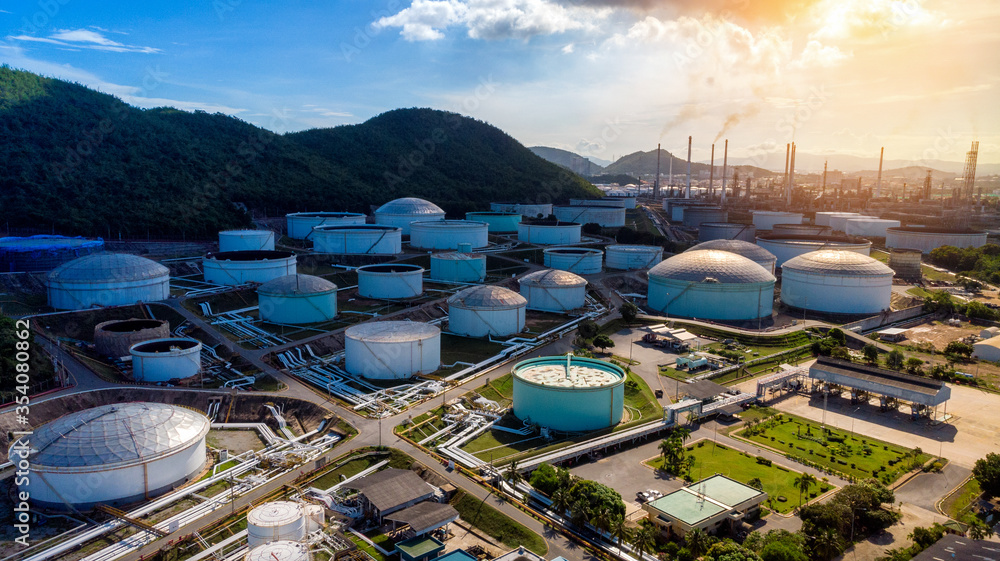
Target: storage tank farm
246,240
605,216
162,360
579,260
836,281
568,393
499,222
552,290
275,521
612,202
526,210
300,224
43,252
766,219
114,338
449,234
391,281
358,239
823,217
233,268
125,452
549,232
297,299
625,257
711,284
695,216
403,212
107,279
755,253
800,230
392,350
458,266
708,231
785,247
629,200
484,310
927,239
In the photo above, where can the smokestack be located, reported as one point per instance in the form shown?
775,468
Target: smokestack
788,157
687,192
725,159
878,182
791,176
656,184
823,189
711,174
670,177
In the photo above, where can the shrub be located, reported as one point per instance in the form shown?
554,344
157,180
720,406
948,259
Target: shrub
763,461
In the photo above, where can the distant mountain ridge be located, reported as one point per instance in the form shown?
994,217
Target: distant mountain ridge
644,163
582,165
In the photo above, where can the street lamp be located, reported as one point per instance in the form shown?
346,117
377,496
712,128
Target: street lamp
858,408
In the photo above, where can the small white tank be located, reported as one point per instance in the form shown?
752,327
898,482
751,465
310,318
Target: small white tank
161,360
549,232
579,260
279,551
246,240
458,267
448,234
275,521
625,257
390,281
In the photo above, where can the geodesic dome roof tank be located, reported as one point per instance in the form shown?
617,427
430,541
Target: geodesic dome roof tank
711,284
553,290
484,310
836,281
297,299
107,279
755,253
401,212
392,350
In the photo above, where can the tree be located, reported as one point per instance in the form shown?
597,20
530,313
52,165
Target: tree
782,551
979,530
588,328
602,520
580,513
914,366
513,475
754,541
756,483
803,483
959,349
645,538
827,544
987,473
547,478
729,550
698,542
628,311
621,531
597,497
894,359
926,537
838,336
603,342
841,353
871,353
561,500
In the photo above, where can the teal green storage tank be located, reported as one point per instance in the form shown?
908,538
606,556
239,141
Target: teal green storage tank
500,222
569,393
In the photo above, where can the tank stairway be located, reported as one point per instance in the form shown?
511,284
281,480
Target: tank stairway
124,517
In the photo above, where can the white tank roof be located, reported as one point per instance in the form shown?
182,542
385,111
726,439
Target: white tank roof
275,513
282,550
409,205
837,262
489,298
708,265
392,331
124,433
458,256
294,285
104,267
749,250
553,278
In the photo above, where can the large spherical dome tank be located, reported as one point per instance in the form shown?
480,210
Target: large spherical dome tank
402,212
484,310
785,247
297,299
392,350
836,281
568,393
753,252
107,279
553,290
114,454
711,284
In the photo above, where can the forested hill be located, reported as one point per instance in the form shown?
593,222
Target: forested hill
82,162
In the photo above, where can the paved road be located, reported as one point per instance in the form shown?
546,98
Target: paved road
926,489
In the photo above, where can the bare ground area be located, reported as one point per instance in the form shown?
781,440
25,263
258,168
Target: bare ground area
236,441
895,536
939,334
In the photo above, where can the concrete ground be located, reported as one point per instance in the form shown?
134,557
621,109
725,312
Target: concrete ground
895,536
926,489
629,342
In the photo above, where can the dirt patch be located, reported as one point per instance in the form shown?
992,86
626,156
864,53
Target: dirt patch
236,441
939,334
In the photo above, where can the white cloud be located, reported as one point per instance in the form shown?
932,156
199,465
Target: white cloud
841,19
86,39
311,108
150,102
817,54
426,20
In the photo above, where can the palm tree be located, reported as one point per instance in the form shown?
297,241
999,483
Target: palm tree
979,530
602,520
644,539
560,500
580,513
683,433
621,531
756,483
513,475
804,482
826,544
666,450
698,542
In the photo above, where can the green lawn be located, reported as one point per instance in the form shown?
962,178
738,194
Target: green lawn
711,458
918,292
755,412
935,275
858,456
639,396
496,524
363,545
957,505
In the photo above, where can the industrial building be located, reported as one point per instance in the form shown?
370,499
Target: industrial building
624,257
923,394
391,490
553,290
709,505
988,349
755,253
694,217
107,279
359,239
605,216
449,234
928,239
708,231
836,281
233,268
276,521
869,227
458,267
402,212
785,247
162,360
300,224
766,219
246,240
568,393
392,281
124,452
499,222
579,260
392,350
711,284
549,232
297,299
43,252
484,310
527,210
113,339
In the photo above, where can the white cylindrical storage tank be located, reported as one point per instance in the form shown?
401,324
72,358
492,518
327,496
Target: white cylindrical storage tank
232,268
297,299
162,360
753,252
625,257
711,284
906,263
823,217
279,551
605,216
552,290
499,222
107,279
766,219
114,454
301,224
786,247
402,212
568,393
484,310
630,200
677,208
527,210
838,222
801,230
695,216
392,350
449,234
359,239
458,267
549,232
869,227
709,231
836,281
114,338
579,260
928,239
613,202
246,240
391,281
274,521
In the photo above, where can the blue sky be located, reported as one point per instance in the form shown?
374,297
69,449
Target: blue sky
598,77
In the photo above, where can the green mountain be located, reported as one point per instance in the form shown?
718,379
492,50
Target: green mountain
77,161
644,163
569,160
